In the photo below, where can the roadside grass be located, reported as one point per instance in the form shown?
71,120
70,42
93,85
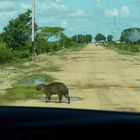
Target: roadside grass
23,92
20,93
124,49
73,48
124,52
77,48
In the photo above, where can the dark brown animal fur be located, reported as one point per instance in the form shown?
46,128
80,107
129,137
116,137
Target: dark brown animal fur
55,88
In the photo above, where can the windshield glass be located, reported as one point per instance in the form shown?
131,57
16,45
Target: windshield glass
70,54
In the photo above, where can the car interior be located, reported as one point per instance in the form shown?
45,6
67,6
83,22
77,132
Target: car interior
20,123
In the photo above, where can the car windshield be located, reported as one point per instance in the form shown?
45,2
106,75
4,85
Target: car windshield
81,54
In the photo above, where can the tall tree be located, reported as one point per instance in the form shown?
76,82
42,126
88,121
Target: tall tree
48,32
82,38
130,35
109,38
100,37
88,38
17,34
65,41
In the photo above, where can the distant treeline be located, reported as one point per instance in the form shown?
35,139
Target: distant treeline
82,38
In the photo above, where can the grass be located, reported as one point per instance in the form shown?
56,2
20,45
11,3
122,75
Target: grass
124,52
77,48
19,92
125,49
50,67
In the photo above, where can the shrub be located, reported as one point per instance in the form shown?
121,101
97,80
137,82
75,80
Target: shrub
22,54
6,54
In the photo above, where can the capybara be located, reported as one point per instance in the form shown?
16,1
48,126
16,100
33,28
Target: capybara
55,88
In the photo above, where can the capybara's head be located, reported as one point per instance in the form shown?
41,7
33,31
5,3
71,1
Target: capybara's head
39,87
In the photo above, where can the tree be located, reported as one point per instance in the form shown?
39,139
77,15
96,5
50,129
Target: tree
17,34
78,38
88,38
82,38
51,39
109,38
74,38
65,41
48,32
100,37
130,35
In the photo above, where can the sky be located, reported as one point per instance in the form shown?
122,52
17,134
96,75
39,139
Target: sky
77,16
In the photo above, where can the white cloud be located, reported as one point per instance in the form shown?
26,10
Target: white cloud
5,15
113,12
64,23
51,4
6,6
124,11
25,6
78,14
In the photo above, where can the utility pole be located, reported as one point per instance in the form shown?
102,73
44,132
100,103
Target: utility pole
33,29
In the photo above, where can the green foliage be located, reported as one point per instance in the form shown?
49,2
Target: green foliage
22,53
134,48
17,34
88,38
131,35
109,38
48,32
76,47
82,38
20,93
100,37
44,45
6,54
65,42
41,45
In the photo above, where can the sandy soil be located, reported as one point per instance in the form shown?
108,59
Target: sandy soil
97,79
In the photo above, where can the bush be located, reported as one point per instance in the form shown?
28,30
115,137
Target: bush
22,54
125,47
6,54
53,47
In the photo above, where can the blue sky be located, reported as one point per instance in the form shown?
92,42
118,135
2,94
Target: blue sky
77,16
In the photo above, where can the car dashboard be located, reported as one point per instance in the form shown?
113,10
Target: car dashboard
27,123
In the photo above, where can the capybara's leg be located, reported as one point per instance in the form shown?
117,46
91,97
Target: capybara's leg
60,98
49,98
46,98
68,97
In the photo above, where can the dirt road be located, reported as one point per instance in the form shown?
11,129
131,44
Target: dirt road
97,79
